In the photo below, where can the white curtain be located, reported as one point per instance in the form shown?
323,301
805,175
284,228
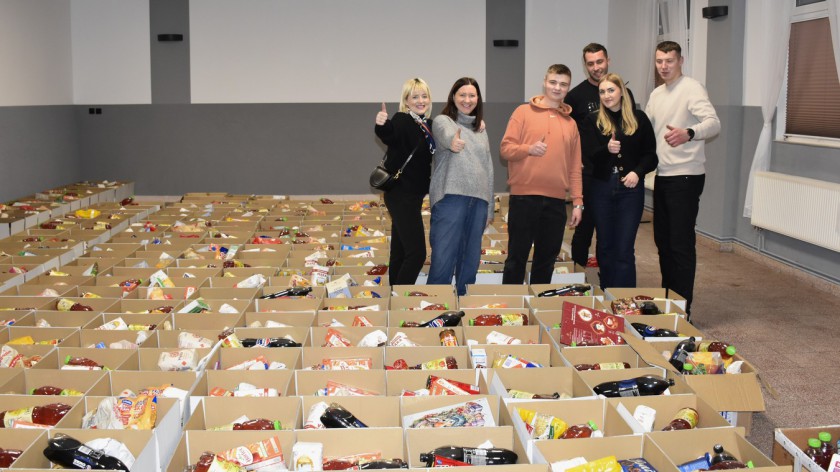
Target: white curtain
834,21
648,23
775,33
674,17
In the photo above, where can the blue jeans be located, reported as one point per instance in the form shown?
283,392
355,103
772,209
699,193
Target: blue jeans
617,211
539,221
458,224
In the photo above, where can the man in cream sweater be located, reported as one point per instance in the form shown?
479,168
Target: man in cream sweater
683,118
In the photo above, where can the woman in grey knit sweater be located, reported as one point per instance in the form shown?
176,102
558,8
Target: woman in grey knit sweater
461,191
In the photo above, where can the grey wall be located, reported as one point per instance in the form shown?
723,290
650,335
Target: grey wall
38,149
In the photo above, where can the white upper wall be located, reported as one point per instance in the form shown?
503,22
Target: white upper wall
111,52
331,51
556,32
35,53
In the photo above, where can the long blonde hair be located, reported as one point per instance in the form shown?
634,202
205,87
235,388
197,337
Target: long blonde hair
628,118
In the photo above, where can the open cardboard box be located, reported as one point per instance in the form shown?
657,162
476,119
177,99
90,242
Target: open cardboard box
546,380
310,382
71,319
412,304
215,412
155,320
35,290
305,319
169,338
343,442
548,451
790,444
47,353
197,321
411,380
125,359
221,293
289,356
376,318
422,354
573,356
314,355
141,444
419,441
68,337
573,278
540,305
492,301
94,382
430,290
310,305
498,289
653,292
666,407
23,439
299,334
136,381
397,317
418,405
533,353
23,304
529,334
353,334
736,396
71,419
375,412
194,443
673,322
280,380
683,446
149,357
594,377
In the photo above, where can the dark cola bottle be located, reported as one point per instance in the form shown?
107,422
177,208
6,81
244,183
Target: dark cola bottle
336,416
471,455
640,386
270,342
567,290
447,318
680,353
289,292
68,452
395,463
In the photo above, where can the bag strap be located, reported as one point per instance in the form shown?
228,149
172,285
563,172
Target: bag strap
397,175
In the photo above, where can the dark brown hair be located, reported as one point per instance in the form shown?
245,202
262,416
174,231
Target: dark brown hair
668,46
451,110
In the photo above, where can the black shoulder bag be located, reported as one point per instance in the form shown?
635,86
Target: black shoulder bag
382,179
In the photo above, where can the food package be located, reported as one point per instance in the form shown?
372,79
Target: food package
307,456
190,340
338,389
374,339
474,413
542,426
182,359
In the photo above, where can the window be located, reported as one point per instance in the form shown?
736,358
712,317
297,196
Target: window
810,109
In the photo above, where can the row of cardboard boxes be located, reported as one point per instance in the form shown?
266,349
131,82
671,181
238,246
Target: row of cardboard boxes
613,416
31,211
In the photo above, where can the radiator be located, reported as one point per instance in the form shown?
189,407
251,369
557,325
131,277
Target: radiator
802,208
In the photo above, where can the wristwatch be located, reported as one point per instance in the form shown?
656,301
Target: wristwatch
690,133
578,207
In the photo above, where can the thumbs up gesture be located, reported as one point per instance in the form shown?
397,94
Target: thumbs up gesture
538,148
382,116
457,144
614,146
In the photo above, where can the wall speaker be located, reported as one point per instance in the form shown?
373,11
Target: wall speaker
506,43
170,38
715,12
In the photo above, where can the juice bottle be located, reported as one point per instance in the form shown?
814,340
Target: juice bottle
580,431
686,418
827,449
448,338
813,450
50,390
257,424
726,351
82,362
44,414
7,456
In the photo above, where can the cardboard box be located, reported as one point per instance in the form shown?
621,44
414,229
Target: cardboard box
136,381
27,303
307,305
417,303
622,447
427,336
790,444
68,337
418,355
673,322
23,439
539,305
377,318
492,301
71,418
498,289
419,441
148,358
399,381
547,380
525,334
299,334
289,356
691,444
314,355
140,443
343,442
309,382
573,356
445,291
533,353
194,443
653,292
140,319
353,334
375,412
280,380
214,412
114,359
219,321
594,377
666,407
572,412
88,382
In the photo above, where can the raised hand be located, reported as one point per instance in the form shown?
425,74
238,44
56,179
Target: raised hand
676,136
538,148
457,144
382,116
614,146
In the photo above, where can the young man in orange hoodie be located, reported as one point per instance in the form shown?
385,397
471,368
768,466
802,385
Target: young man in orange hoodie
542,147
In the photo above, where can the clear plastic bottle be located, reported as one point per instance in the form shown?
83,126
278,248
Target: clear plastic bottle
42,414
827,449
686,418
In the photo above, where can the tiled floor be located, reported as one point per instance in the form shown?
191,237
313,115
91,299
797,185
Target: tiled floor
785,327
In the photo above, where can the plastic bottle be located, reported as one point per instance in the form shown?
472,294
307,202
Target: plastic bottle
448,338
258,424
813,450
395,463
269,342
827,449
511,319
446,319
50,390
537,396
379,269
336,416
680,353
726,351
654,332
603,366
72,454
49,414
568,290
721,459
648,308
688,369
471,455
638,386
583,430
7,456
82,362
289,292
685,418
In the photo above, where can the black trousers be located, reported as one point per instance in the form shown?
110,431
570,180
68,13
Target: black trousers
408,237
676,202
582,237
537,220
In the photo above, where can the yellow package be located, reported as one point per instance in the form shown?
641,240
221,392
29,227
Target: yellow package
89,213
138,412
22,340
604,464
542,426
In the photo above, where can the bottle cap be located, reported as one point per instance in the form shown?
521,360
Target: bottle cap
472,322
688,368
730,350
277,425
824,436
750,465
813,442
592,425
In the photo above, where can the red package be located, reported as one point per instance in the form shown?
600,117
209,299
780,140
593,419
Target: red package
583,325
440,386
